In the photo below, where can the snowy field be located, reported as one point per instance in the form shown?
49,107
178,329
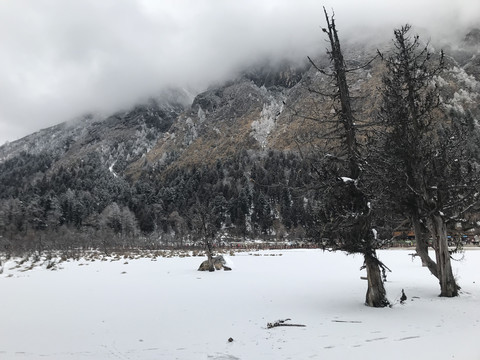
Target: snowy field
165,309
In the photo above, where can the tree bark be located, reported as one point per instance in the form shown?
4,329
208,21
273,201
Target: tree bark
438,229
422,246
346,112
376,294
208,247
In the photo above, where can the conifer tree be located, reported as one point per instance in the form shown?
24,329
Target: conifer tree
429,174
343,216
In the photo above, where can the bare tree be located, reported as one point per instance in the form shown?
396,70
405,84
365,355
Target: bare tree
203,219
343,218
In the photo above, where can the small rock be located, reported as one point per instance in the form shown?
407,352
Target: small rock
230,339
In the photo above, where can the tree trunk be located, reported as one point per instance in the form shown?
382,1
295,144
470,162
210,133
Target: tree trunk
438,229
376,294
208,247
346,113
421,242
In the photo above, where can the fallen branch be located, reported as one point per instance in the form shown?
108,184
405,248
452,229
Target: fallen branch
282,323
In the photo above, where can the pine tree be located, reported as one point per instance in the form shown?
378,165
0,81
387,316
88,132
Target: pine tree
429,176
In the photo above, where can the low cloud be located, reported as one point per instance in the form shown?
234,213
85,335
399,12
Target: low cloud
63,58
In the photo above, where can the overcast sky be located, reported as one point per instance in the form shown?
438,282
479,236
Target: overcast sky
60,59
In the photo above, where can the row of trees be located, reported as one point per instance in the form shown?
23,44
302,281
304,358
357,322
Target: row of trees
410,161
245,193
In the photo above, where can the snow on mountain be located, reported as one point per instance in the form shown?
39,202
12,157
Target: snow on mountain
262,127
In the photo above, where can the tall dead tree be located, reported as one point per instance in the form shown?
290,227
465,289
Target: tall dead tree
344,214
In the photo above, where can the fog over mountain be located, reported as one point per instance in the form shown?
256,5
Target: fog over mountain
64,58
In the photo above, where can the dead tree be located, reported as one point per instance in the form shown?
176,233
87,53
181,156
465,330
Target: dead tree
343,213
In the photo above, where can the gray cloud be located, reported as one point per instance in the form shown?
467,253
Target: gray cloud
63,58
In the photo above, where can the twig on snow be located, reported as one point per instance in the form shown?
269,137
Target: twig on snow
282,323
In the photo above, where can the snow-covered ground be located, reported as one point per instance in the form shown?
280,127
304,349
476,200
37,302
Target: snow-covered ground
165,309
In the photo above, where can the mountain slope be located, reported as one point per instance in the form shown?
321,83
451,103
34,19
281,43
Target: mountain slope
233,149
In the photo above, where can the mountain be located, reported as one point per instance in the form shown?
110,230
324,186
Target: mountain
136,129
233,149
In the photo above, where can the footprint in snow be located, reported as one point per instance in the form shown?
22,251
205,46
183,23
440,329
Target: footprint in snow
222,357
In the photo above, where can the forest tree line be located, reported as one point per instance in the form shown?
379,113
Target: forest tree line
253,195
